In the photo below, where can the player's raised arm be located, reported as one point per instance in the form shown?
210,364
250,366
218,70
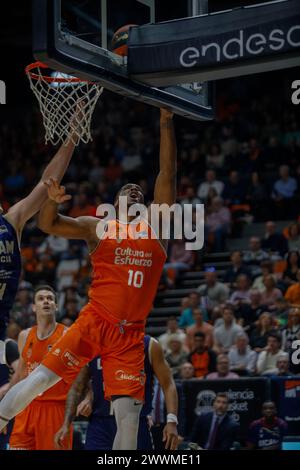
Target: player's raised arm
50,221
164,376
165,185
21,212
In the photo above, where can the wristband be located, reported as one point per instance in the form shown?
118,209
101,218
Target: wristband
171,418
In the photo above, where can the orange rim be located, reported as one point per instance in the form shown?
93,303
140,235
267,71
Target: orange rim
41,65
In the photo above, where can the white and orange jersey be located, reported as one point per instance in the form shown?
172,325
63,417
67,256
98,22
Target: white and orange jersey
34,352
126,271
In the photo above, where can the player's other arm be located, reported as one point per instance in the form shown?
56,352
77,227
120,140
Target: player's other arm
21,212
165,185
50,221
76,393
164,376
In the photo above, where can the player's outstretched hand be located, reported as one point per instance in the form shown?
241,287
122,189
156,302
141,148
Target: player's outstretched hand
60,436
56,192
170,436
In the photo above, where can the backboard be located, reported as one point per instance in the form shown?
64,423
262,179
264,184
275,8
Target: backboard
73,36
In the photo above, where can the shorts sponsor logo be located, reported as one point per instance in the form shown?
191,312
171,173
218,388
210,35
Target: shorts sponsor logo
70,360
121,375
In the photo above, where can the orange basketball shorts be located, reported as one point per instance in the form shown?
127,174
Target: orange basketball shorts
35,427
122,354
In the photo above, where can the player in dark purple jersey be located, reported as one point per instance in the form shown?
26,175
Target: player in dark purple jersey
267,432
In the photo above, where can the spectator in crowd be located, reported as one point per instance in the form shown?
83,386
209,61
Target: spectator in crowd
274,241
257,197
202,358
235,191
281,312
292,295
210,182
214,291
293,264
215,430
271,292
283,366
248,313
81,206
57,246
190,197
242,293
180,260
68,268
266,269
176,357
241,357
187,371
223,369
293,233
199,326
237,267
172,329
225,334
186,317
292,331
267,433
254,256
259,335
13,330
215,158
267,359
218,222
284,190
286,186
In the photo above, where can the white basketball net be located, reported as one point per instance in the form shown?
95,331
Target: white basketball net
66,103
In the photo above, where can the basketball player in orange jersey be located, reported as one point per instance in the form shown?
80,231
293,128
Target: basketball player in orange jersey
34,428
126,272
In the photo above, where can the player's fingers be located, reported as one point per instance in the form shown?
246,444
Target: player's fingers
167,446
174,442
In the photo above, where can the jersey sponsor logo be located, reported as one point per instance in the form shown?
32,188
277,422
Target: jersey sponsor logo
56,352
3,229
7,247
70,360
120,375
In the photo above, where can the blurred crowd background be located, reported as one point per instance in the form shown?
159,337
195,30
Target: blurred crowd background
244,167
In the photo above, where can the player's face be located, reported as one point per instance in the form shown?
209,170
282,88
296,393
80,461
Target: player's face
269,410
44,303
134,194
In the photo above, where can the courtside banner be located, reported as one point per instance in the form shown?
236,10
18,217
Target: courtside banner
246,397
214,46
286,394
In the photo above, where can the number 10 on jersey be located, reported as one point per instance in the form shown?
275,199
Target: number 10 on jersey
135,278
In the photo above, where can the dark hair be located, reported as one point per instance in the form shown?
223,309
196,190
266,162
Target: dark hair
44,287
199,334
222,395
274,334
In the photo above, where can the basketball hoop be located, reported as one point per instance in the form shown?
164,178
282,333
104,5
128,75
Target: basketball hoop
67,104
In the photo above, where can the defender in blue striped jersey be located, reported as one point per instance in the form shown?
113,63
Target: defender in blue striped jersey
102,425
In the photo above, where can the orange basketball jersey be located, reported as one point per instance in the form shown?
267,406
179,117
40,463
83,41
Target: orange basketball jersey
33,353
126,271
